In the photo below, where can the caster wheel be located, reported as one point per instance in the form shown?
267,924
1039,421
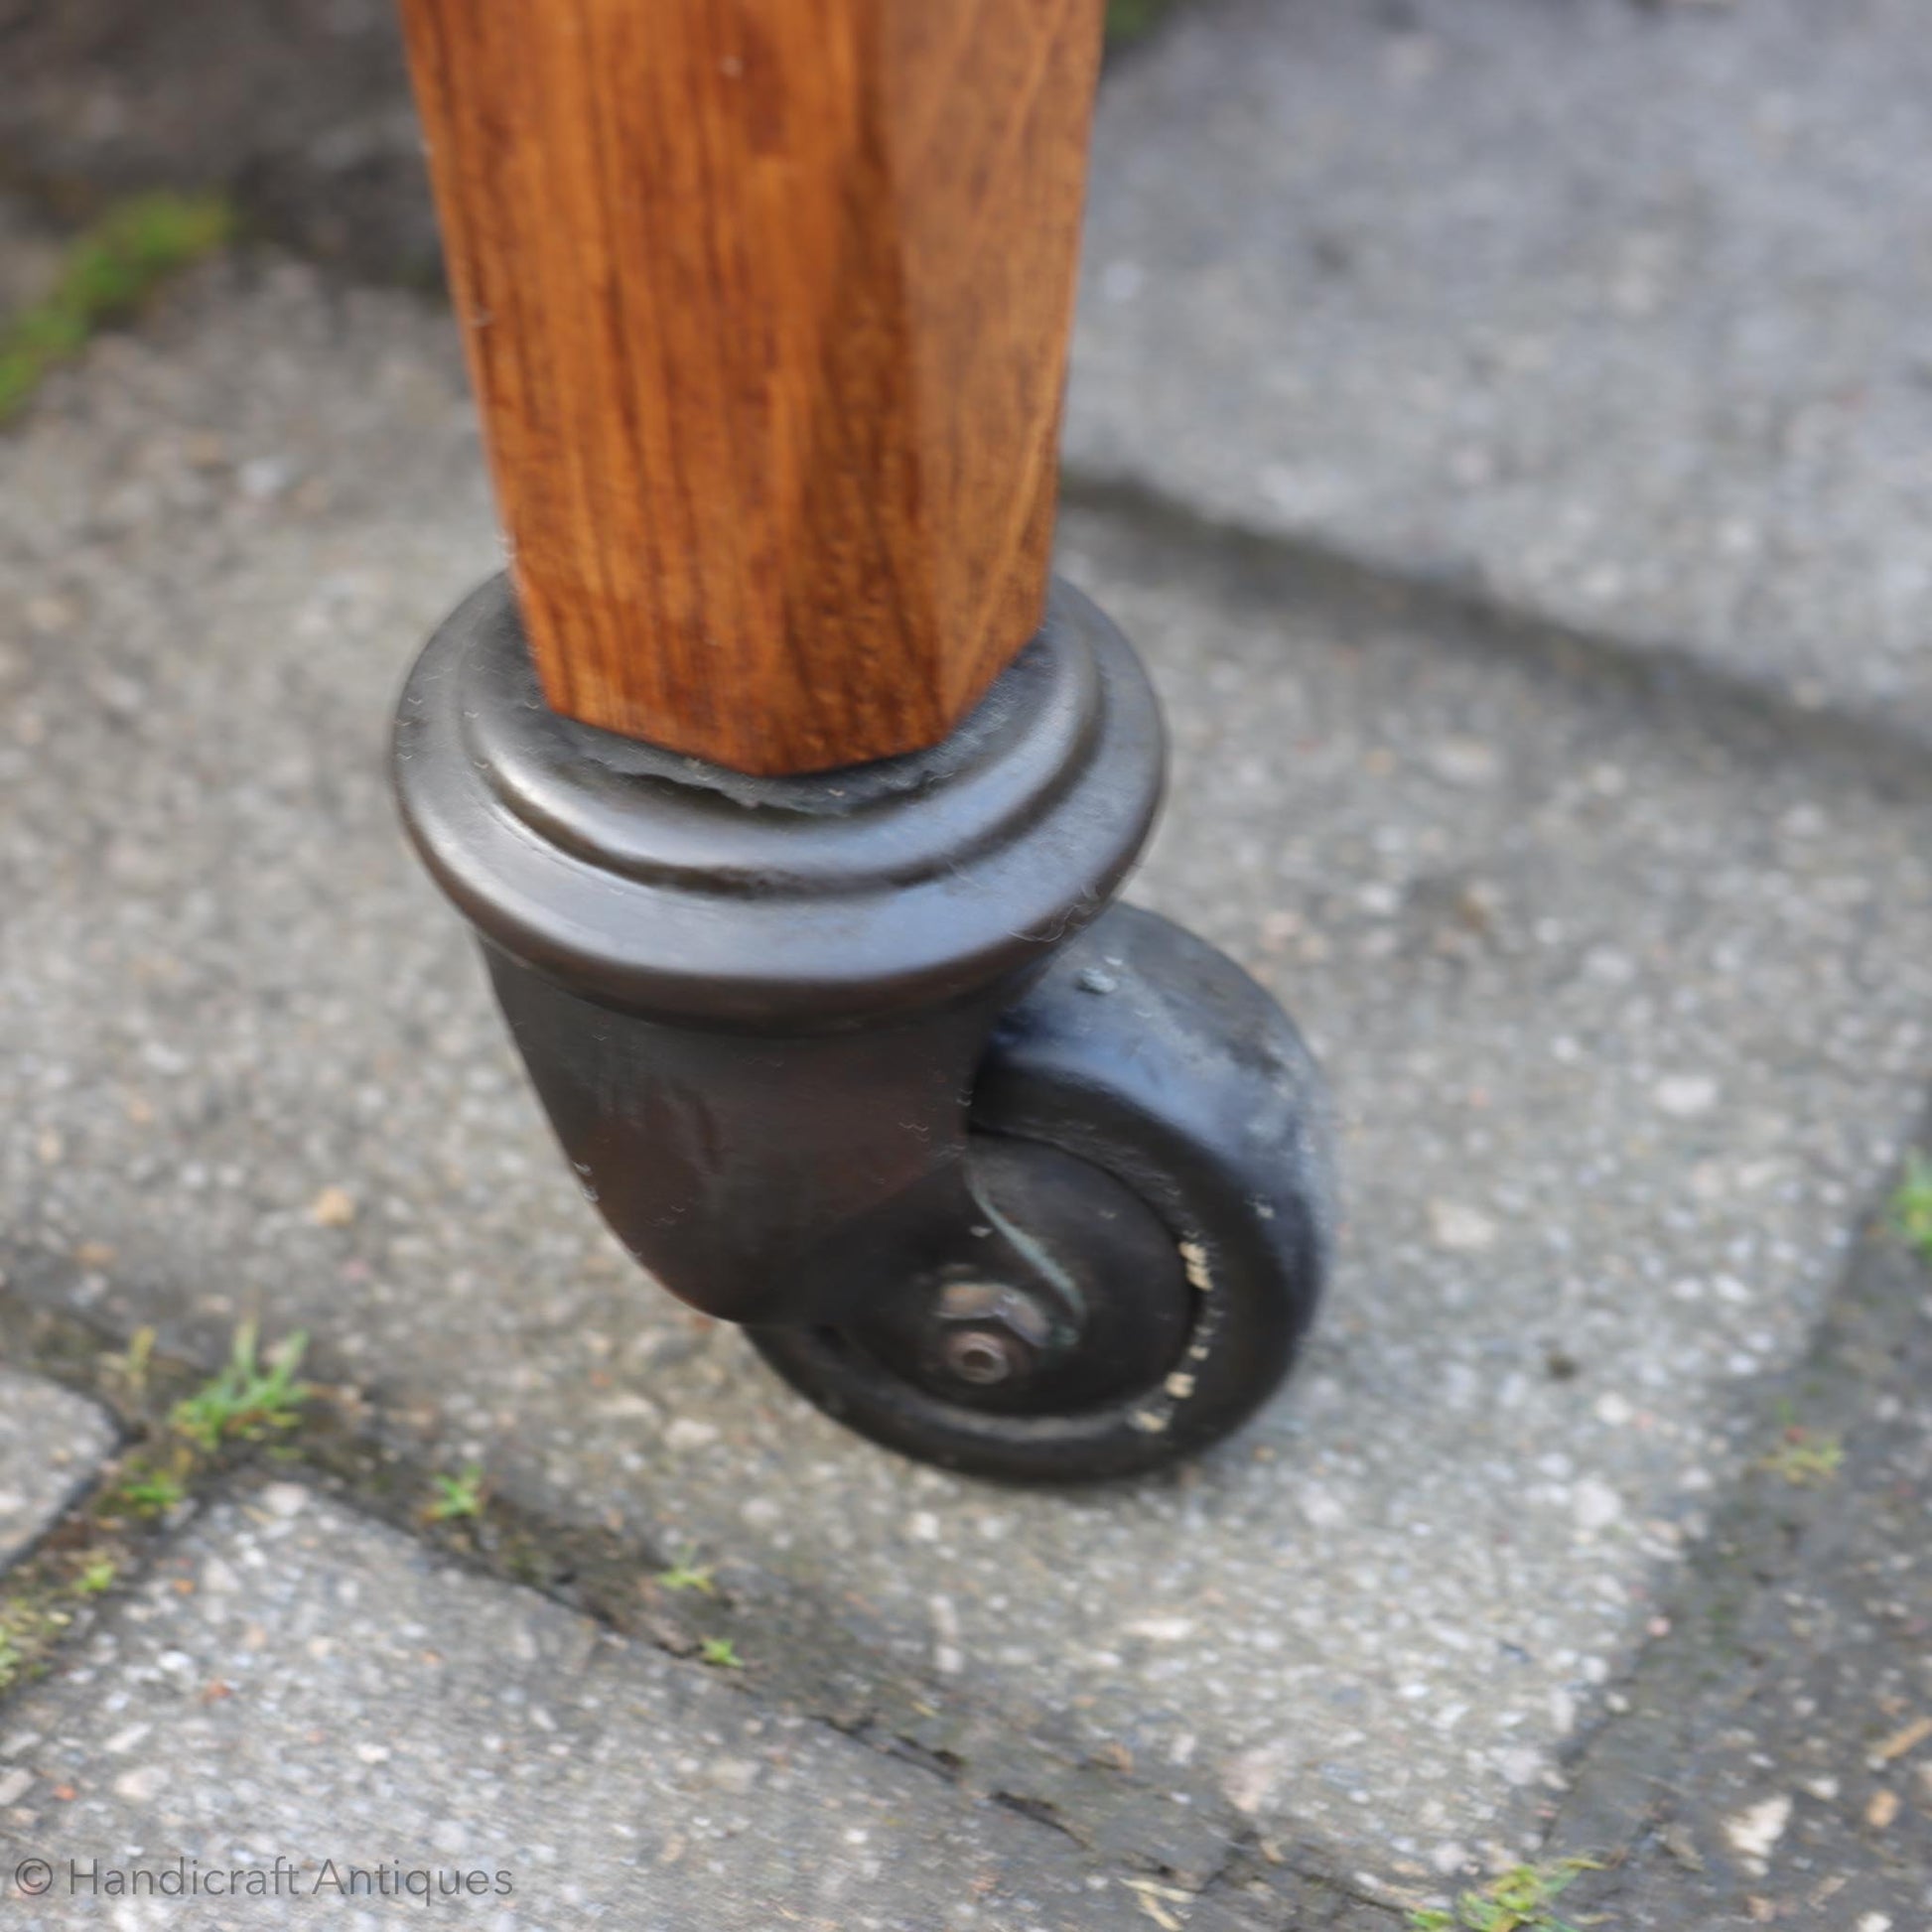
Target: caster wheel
1151,1134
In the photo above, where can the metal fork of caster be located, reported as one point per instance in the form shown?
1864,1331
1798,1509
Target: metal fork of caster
999,1175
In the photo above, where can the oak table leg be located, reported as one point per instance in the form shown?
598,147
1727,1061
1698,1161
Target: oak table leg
784,797
765,306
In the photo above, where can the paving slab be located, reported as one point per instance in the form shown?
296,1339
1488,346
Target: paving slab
1618,313
299,1694
1626,1011
51,1443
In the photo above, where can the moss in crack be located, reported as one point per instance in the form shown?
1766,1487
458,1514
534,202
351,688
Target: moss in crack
459,1497
147,1488
176,1436
1521,1899
53,1592
1808,1459
787,1643
107,273
685,1573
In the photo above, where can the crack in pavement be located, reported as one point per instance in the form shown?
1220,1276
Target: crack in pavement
1190,1839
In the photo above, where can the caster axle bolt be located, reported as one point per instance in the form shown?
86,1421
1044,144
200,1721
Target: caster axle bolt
983,1358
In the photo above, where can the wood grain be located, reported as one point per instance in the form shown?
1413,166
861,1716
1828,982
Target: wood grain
767,304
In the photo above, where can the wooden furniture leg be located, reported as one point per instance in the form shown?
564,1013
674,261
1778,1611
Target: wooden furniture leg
784,796
767,307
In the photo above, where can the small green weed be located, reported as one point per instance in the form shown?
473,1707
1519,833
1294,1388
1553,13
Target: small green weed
686,1575
97,1573
1807,1457
249,1398
106,274
28,1630
1911,1208
42,1597
147,1490
1517,1901
132,1370
457,1496
719,1652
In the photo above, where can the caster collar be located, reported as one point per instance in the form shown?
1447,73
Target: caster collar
663,885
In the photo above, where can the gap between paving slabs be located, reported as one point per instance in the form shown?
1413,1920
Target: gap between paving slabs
1769,1758
292,1678
1726,697
1600,303
777,1653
